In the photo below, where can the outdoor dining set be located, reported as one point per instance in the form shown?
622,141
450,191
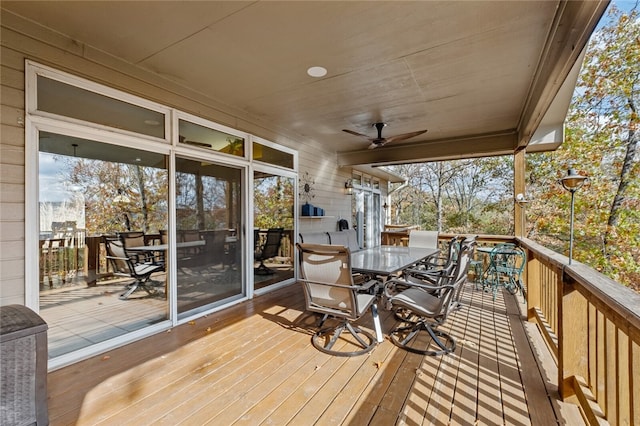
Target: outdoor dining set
421,283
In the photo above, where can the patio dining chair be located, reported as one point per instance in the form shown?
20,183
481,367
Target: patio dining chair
424,239
268,250
329,290
422,307
314,238
124,265
438,263
347,238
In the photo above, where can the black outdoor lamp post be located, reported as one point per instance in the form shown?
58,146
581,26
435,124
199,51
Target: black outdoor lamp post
572,182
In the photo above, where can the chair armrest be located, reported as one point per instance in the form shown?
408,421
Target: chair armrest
367,285
429,274
414,271
126,259
351,287
430,288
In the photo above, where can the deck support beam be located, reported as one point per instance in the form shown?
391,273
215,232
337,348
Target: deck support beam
519,187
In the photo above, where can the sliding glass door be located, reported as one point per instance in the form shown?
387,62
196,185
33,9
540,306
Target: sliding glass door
208,229
137,214
273,224
90,192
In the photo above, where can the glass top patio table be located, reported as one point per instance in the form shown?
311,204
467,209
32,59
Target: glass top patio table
163,247
387,260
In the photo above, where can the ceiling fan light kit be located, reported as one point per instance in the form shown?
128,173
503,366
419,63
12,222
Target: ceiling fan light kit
380,141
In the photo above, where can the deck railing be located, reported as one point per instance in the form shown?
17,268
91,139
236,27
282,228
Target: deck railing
592,326
590,323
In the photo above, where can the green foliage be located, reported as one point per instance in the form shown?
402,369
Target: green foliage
470,196
601,141
273,202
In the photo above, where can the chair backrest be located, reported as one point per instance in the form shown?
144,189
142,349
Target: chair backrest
424,239
164,236
314,238
327,279
115,249
347,238
272,243
132,241
461,270
508,258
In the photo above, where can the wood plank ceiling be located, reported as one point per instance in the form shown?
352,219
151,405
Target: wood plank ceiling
480,76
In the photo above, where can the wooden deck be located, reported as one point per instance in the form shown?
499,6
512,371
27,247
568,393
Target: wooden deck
253,364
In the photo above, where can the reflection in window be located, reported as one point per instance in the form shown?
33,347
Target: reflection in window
71,101
273,209
208,217
88,190
204,137
270,155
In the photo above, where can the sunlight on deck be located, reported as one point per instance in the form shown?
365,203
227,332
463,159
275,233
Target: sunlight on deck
254,364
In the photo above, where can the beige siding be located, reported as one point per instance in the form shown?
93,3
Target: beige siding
12,161
328,188
22,40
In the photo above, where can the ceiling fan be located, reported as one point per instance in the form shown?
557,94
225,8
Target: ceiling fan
380,141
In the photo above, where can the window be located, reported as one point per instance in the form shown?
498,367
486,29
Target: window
70,101
87,190
274,197
208,217
211,139
273,156
103,173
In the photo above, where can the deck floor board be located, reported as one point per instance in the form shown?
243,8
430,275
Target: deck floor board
254,364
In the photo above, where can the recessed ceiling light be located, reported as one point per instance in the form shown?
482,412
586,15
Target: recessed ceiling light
151,122
317,71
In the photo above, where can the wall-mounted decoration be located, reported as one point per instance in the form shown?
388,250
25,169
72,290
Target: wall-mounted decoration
306,187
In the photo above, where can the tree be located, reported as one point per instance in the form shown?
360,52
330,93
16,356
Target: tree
602,141
457,196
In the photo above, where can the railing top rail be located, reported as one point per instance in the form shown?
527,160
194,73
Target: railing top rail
546,255
480,237
621,300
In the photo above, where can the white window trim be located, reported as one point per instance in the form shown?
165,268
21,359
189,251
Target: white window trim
33,70
274,146
37,121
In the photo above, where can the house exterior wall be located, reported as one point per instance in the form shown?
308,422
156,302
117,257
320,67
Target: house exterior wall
21,40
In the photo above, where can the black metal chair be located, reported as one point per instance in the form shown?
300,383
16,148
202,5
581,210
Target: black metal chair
329,290
422,307
268,250
124,265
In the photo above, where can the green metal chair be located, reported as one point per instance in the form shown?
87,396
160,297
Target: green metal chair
506,263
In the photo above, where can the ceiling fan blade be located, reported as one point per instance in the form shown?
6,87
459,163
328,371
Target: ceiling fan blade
355,133
374,145
404,136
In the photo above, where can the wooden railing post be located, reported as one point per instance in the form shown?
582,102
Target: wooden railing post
91,259
533,282
573,337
